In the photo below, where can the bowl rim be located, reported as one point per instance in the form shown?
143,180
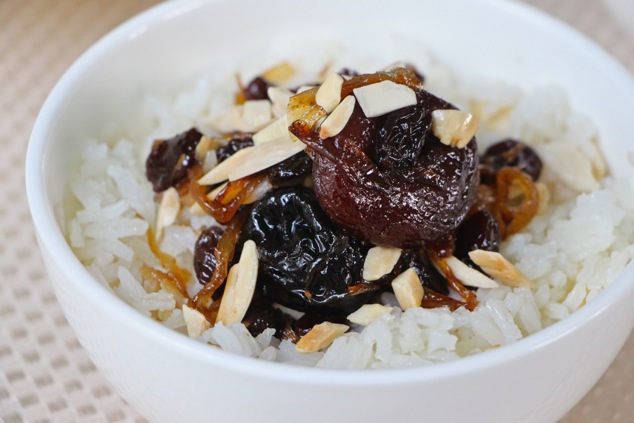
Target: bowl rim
52,241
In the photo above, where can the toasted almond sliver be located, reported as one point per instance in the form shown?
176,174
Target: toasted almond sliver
202,148
250,116
495,265
408,289
379,262
279,74
168,210
265,155
220,172
384,97
543,194
328,95
320,336
195,321
469,276
367,313
279,98
338,119
303,88
256,114
277,129
454,127
240,286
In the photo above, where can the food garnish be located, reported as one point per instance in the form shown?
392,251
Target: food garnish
330,195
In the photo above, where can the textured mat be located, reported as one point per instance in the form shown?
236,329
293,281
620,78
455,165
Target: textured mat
45,376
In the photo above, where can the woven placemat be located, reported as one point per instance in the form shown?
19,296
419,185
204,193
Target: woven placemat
45,376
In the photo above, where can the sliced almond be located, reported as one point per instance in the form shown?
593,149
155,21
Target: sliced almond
240,286
367,313
168,210
266,155
328,95
543,194
279,74
320,336
250,116
495,265
338,119
195,322
221,172
379,262
277,129
384,97
469,276
279,99
256,114
454,127
303,88
205,145
408,289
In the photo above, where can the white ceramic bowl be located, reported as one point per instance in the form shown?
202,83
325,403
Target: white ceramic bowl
169,377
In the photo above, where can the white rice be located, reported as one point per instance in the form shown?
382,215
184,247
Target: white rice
572,250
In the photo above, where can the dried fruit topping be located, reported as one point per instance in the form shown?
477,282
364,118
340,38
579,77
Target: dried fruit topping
509,153
168,162
306,262
256,89
479,231
236,143
262,315
295,168
205,253
399,206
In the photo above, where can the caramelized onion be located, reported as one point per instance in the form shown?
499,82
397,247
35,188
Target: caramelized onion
515,217
180,275
224,255
469,296
226,204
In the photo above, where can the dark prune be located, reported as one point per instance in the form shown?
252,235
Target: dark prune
400,137
205,253
479,231
305,261
509,153
262,315
294,168
257,89
169,160
402,207
238,142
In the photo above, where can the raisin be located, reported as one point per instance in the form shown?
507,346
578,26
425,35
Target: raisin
169,160
509,153
205,253
262,315
235,144
257,89
479,231
305,261
295,168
